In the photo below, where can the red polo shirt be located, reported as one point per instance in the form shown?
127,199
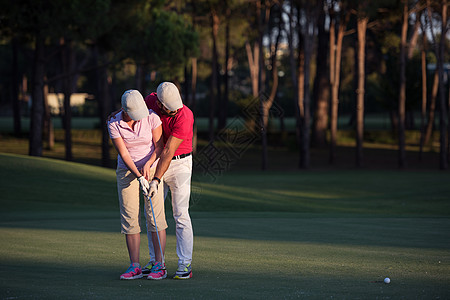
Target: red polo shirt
180,126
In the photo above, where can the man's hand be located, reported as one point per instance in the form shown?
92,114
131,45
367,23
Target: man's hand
144,185
112,115
145,171
153,188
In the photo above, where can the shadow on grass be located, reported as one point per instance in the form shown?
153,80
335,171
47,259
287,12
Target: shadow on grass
57,281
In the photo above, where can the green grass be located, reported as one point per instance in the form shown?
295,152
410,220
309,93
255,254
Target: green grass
376,192
281,235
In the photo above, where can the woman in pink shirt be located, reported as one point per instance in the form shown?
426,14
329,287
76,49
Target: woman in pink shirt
136,133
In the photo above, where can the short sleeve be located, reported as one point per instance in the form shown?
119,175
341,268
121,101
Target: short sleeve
155,121
150,101
113,130
182,128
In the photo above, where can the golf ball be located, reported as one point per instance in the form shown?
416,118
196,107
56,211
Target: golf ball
387,280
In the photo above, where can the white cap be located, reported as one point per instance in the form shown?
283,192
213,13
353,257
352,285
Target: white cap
134,105
169,96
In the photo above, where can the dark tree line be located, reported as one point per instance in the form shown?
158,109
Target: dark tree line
240,49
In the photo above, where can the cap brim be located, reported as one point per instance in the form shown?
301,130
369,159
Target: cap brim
138,115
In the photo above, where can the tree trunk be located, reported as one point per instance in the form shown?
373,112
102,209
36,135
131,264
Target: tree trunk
301,97
15,88
260,63
48,125
402,94
360,92
293,66
424,99
140,77
321,91
273,91
413,40
332,74
194,82
432,108
448,124
305,161
308,42
214,68
194,66
186,84
335,70
193,99
37,108
67,66
253,63
104,106
193,88
443,155
223,111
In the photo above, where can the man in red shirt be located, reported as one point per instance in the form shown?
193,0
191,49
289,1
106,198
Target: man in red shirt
175,164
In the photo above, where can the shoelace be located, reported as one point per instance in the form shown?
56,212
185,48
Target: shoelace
131,268
183,268
157,267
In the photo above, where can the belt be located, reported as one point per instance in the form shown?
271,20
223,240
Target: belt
181,156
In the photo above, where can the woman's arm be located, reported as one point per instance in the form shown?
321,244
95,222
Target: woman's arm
119,144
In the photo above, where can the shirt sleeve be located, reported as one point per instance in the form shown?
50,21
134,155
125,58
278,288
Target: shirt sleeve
155,121
150,100
113,130
182,127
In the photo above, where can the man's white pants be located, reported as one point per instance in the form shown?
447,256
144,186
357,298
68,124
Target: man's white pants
178,179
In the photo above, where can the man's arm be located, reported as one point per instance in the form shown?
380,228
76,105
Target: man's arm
159,145
164,162
166,156
112,115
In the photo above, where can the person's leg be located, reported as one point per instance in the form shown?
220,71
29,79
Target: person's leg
162,193
133,244
157,202
162,238
158,235
178,178
128,190
158,270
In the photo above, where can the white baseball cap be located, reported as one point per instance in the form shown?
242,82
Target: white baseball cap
134,105
169,96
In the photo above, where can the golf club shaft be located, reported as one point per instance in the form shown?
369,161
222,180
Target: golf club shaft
156,227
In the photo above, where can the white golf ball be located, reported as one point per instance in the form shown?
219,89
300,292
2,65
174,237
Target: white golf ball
387,280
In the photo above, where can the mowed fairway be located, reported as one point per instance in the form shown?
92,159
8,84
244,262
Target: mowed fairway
305,234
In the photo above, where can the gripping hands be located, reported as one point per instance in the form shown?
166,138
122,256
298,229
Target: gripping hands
144,185
153,188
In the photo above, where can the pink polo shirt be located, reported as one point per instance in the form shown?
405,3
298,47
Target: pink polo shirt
139,141
180,126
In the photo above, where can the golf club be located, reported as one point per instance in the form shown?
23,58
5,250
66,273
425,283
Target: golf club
156,227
